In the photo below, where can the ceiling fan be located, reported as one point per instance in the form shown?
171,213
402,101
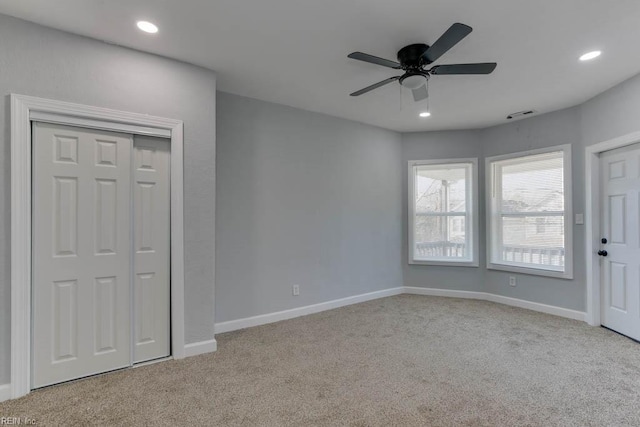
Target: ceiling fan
415,58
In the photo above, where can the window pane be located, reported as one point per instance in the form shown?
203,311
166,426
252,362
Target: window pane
537,240
533,183
440,237
528,212
441,223
441,188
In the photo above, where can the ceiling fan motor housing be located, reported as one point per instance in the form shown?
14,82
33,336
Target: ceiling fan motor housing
411,57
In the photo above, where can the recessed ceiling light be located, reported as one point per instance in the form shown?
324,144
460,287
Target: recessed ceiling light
590,55
425,114
147,27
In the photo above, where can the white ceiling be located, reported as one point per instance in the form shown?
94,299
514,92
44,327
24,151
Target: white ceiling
294,52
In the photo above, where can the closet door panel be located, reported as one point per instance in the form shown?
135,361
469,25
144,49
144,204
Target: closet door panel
151,213
81,252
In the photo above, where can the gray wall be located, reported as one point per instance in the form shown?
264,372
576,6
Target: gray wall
302,198
611,114
560,127
557,128
273,157
440,145
42,62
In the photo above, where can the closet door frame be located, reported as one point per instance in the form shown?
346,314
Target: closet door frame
24,110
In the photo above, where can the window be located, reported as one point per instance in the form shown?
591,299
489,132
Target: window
529,204
442,206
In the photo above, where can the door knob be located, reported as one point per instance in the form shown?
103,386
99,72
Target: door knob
603,253
604,241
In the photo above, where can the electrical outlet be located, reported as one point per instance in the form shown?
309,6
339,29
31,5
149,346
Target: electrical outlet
296,290
512,281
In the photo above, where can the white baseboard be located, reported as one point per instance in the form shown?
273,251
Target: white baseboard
444,293
201,347
263,319
5,392
535,306
233,325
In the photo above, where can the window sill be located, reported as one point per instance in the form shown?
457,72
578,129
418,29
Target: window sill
568,275
445,263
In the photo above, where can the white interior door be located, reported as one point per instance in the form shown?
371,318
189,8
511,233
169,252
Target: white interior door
620,255
151,215
81,252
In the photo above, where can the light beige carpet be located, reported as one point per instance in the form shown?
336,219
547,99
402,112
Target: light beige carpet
403,361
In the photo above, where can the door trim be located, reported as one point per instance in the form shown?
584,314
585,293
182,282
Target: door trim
22,108
592,220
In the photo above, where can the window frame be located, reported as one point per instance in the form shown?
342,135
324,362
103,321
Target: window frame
471,216
492,225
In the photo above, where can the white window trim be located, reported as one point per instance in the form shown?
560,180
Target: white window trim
472,212
568,214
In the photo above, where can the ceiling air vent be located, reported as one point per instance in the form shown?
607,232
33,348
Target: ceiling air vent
520,114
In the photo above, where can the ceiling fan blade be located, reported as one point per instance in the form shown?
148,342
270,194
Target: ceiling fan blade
420,93
375,86
374,60
481,68
450,38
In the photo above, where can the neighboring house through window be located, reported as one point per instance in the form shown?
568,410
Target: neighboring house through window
529,212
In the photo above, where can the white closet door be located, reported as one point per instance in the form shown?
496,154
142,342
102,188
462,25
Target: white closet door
151,206
81,252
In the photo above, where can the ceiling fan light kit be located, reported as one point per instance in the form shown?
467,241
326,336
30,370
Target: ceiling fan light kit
413,81
415,58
